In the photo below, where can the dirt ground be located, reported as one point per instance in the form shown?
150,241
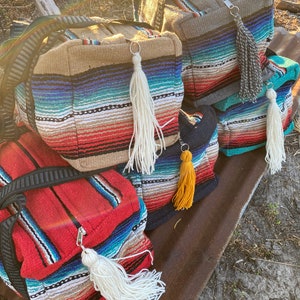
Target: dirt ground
262,260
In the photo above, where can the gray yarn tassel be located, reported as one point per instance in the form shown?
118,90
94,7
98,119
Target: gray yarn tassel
249,62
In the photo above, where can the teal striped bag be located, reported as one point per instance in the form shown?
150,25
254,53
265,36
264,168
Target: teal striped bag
243,127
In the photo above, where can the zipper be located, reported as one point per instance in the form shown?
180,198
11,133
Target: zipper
228,4
234,10
80,234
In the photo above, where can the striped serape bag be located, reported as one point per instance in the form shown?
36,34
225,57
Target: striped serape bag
110,93
246,126
70,235
223,44
198,146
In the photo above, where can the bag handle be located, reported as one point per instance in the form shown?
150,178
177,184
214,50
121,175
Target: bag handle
22,56
158,16
12,194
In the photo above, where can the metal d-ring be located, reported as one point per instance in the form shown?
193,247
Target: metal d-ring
133,45
184,147
234,11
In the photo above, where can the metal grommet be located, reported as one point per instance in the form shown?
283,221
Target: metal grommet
234,11
135,47
184,147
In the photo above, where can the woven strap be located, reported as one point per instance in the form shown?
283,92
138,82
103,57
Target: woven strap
11,194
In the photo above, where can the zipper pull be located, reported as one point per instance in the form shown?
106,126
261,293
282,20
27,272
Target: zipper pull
81,233
234,10
228,4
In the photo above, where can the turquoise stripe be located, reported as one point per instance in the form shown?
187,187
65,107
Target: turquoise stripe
241,150
219,45
74,269
104,190
4,177
41,240
51,254
95,89
277,80
257,108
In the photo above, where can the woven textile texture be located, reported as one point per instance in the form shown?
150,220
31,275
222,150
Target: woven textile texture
81,101
210,61
284,69
199,131
242,127
105,205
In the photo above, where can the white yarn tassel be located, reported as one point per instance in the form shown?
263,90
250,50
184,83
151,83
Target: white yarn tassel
143,153
111,279
275,135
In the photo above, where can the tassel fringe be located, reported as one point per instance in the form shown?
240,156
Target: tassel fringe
111,279
248,60
275,135
143,155
183,199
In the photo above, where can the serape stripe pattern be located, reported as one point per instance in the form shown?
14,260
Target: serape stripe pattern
71,281
82,106
243,127
285,69
210,60
158,188
208,33
46,232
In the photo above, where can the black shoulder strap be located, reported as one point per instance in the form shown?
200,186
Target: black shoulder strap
11,194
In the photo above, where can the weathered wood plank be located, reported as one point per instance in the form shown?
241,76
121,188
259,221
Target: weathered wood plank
293,7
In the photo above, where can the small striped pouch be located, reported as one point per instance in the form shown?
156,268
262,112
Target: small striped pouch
242,126
199,132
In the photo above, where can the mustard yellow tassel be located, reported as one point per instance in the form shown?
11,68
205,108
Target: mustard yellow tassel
183,199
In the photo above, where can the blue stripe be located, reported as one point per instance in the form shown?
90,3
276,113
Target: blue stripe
103,189
28,223
44,244
4,177
74,269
